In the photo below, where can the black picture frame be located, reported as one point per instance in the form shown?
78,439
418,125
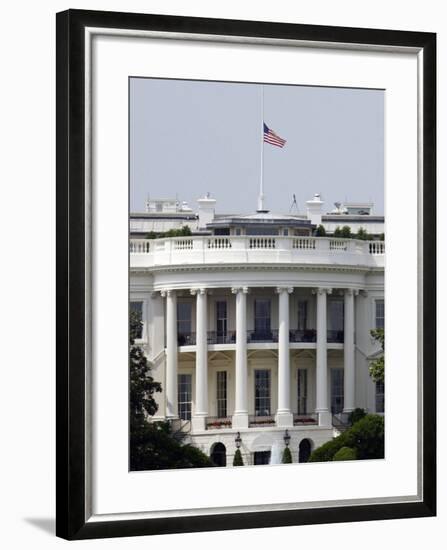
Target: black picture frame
71,386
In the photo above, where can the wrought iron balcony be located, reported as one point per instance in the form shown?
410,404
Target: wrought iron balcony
308,419
228,337
186,338
308,335
261,336
335,336
218,422
265,421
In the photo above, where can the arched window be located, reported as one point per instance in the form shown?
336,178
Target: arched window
219,454
304,451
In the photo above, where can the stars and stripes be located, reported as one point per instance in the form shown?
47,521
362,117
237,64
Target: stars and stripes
272,138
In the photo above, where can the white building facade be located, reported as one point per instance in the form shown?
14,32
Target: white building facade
259,334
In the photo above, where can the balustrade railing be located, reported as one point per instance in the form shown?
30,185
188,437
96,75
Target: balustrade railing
235,249
222,337
186,338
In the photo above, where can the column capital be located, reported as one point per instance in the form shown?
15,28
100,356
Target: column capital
167,292
243,289
364,293
287,289
322,291
351,291
195,291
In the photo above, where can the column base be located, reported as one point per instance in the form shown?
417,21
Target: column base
239,421
324,418
284,419
198,423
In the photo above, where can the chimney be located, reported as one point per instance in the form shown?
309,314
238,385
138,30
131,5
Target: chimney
315,209
206,210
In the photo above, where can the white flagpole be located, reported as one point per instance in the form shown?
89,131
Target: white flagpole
261,186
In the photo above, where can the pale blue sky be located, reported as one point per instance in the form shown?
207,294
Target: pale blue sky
192,137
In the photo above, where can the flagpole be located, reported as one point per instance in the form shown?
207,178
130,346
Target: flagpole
261,184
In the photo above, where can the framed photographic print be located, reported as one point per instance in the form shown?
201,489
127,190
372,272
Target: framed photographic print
244,211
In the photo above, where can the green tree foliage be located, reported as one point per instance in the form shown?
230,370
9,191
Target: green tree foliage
343,232
345,453
238,460
362,234
287,456
377,366
142,384
154,448
152,445
184,231
356,415
320,231
366,437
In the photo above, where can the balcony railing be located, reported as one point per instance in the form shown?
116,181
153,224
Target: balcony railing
308,335
255,421
199,250
335,336
222,337
217,422
307,419
261,336
186,339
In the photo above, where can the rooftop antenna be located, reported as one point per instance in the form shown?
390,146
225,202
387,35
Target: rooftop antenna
294,204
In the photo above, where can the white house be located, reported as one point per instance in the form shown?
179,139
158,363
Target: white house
258,330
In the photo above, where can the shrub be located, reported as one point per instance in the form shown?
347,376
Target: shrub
320,231
345,453
366,437
287,456
362,234
237,460
356,415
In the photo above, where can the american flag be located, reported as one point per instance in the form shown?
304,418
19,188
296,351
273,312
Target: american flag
272,138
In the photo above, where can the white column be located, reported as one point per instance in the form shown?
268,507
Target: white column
284,416
324,416
349,352
240,416
171,354
201,404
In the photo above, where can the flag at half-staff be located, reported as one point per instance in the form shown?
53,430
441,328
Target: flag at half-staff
271,137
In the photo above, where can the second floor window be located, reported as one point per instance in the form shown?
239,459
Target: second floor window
302,315
262,317
184,316
336,315
137,309
221,321
380,314
262,393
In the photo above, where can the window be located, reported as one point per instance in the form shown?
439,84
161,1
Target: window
262,318
336,315
184,316
184,396
302,315
137,309
380,397
262,393
261,457
337,390
380,313
302,391
221,394
221,321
